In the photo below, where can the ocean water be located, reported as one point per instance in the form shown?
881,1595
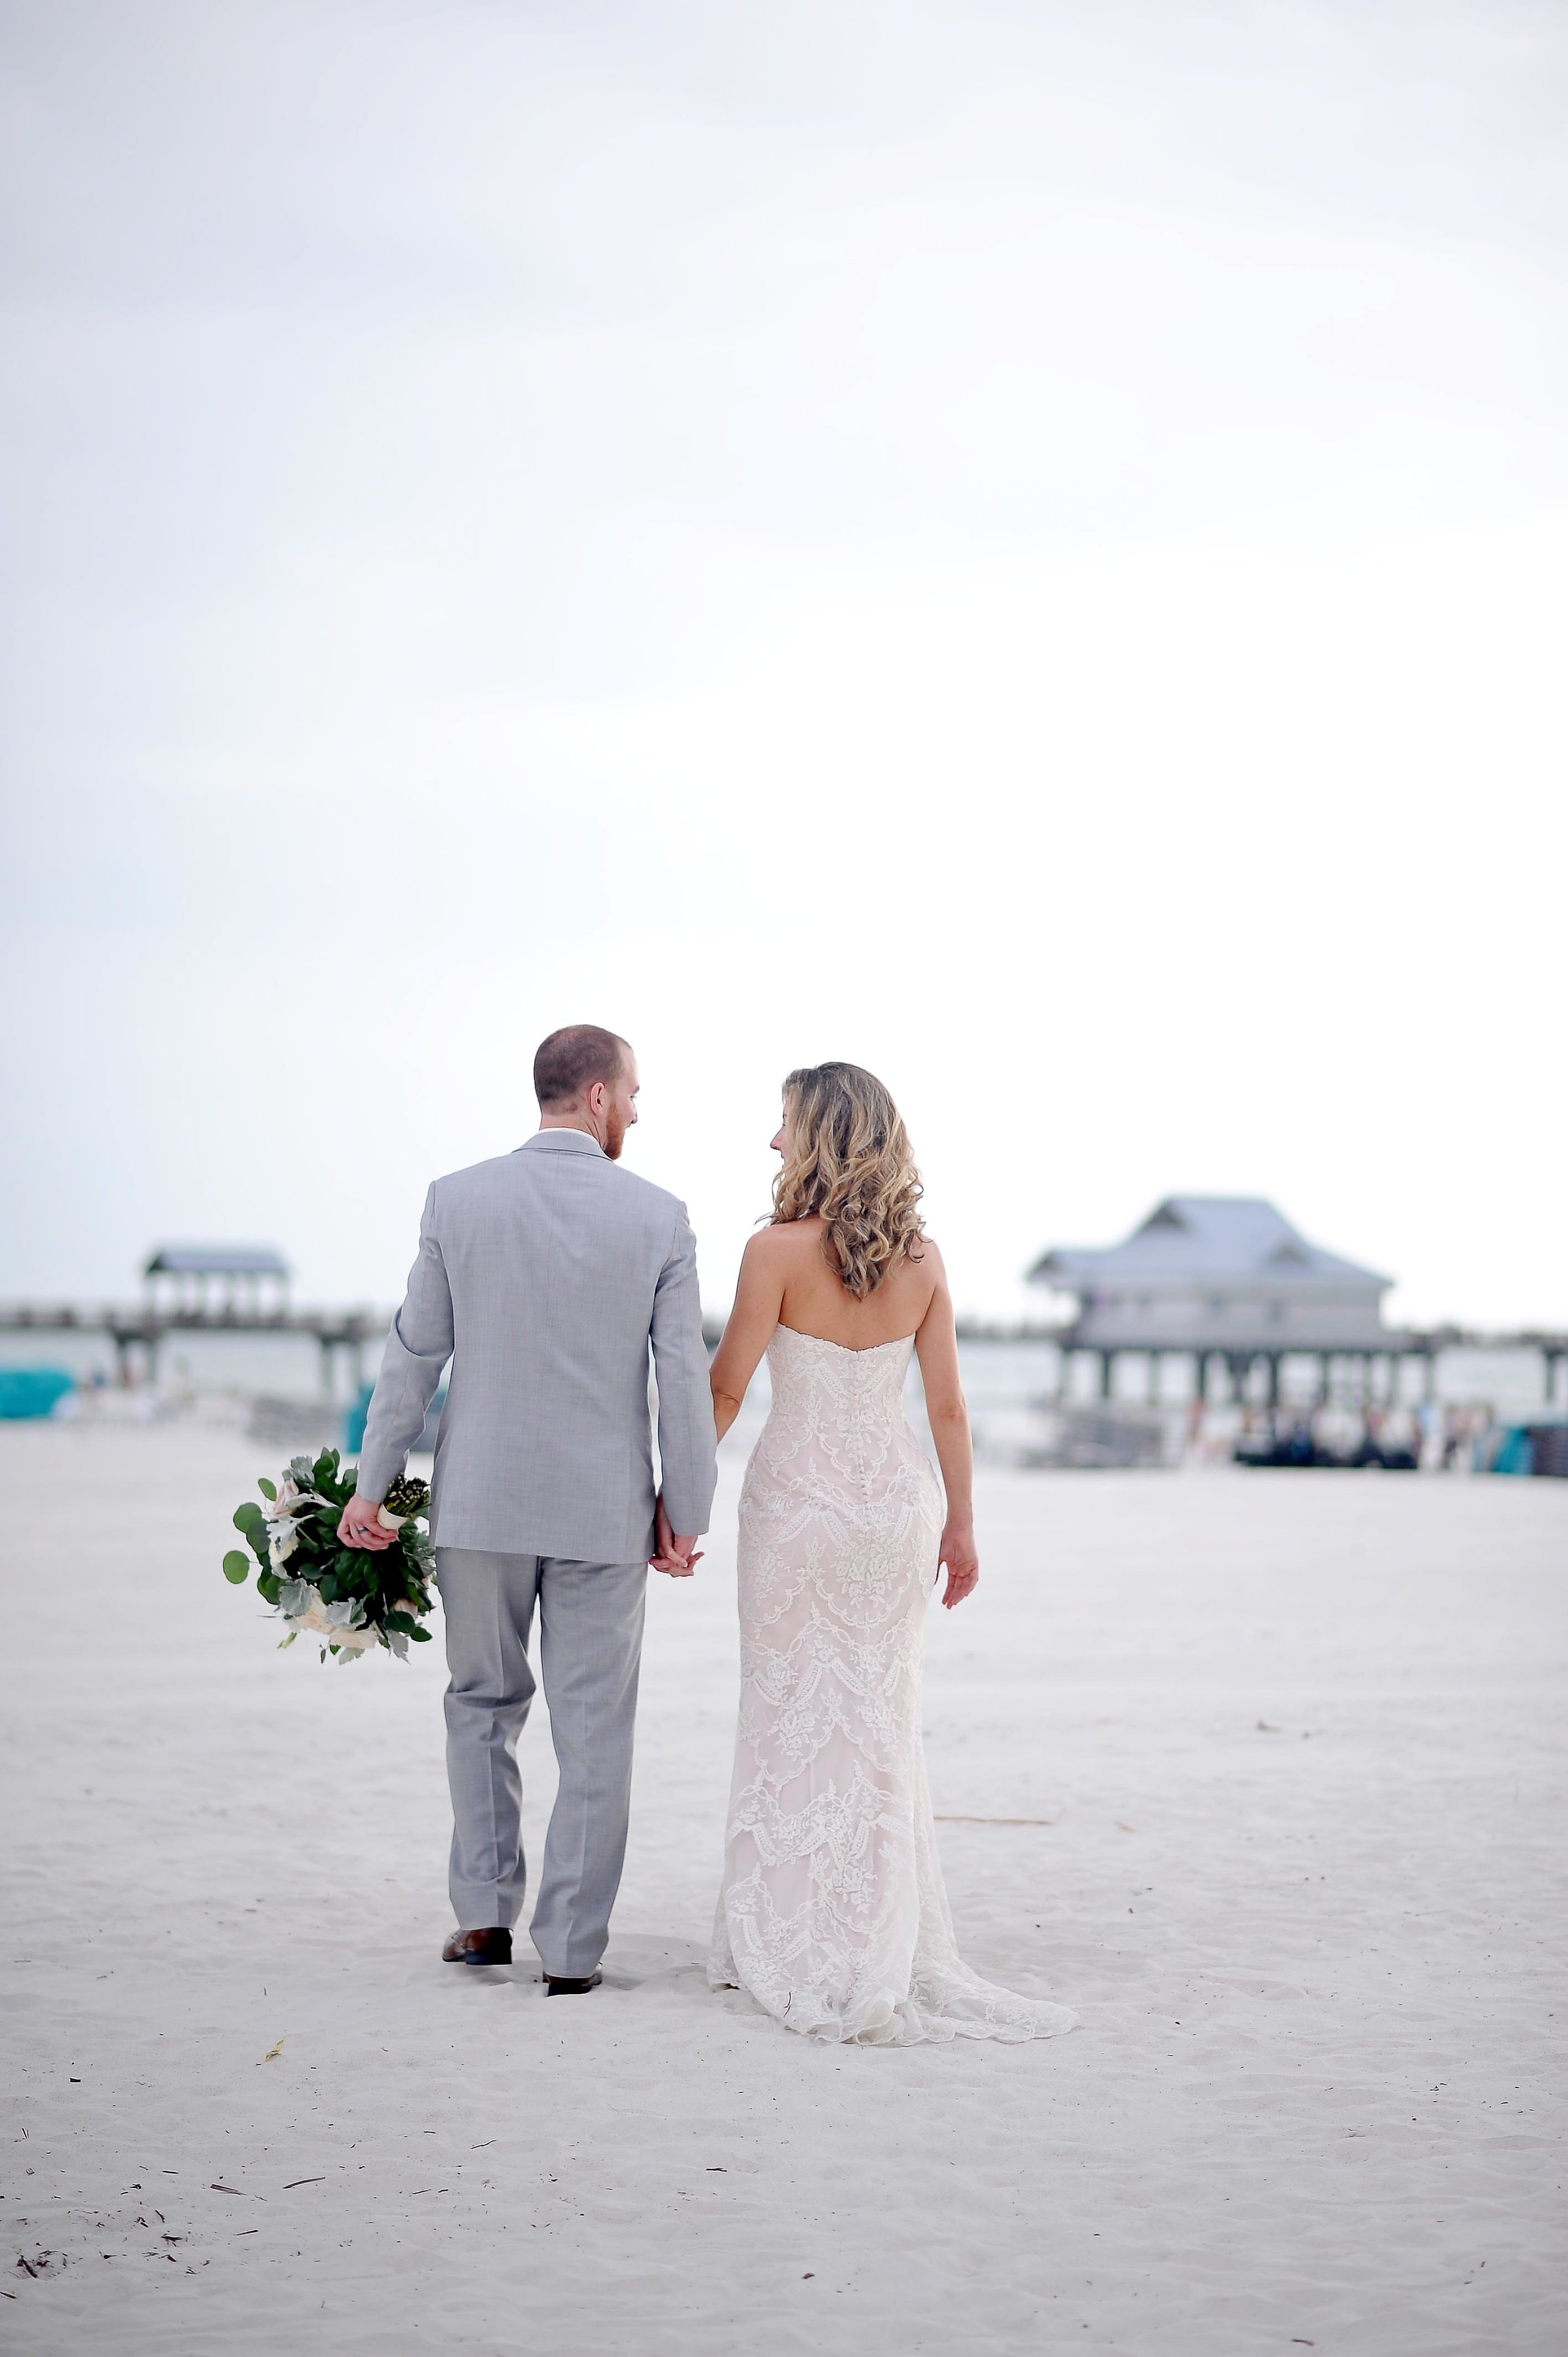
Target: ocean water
1006,1382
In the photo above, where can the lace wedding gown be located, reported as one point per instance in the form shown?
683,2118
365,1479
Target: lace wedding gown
832,1914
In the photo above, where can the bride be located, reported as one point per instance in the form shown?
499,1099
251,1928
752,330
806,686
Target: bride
832,1914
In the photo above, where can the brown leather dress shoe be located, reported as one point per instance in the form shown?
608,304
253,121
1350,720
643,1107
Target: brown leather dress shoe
490,1946
561,1985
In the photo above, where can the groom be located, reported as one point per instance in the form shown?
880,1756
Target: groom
544,1276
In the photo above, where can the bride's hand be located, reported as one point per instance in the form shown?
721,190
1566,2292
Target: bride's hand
962,1556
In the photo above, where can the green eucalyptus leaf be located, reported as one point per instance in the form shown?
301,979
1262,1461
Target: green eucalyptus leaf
269,1583
420,1636
236,1567
247,1516
268,1489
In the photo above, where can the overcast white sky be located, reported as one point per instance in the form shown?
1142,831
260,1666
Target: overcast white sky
1020,544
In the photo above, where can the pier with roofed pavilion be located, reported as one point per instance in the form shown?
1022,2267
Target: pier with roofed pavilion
1228,1279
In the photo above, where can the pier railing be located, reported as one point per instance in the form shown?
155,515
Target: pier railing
144,1328
140,1331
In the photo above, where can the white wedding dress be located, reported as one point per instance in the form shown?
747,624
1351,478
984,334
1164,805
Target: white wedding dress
832,1914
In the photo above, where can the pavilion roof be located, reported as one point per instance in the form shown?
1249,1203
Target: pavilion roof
216,1260
1205,1237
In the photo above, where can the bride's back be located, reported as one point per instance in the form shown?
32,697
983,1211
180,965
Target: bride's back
815,1300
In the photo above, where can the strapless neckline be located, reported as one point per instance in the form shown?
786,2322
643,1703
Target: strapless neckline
850,1350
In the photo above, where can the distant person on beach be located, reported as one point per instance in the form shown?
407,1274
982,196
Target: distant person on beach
832,1915
546,1277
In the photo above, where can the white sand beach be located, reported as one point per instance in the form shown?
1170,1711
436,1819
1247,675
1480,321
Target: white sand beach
1297,1746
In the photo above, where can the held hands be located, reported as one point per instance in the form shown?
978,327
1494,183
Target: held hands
360,1527
962,1560
671,1553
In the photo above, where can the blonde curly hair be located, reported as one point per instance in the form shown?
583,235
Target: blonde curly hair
847,1160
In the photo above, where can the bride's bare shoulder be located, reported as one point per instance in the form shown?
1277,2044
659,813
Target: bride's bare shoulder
778,1250
787,1239
924,1274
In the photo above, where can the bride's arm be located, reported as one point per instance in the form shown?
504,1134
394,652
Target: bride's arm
758,1298
935,1345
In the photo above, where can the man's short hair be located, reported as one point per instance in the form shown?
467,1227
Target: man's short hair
572,1059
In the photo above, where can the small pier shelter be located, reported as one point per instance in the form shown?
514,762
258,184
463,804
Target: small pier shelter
1221,1278
179,1277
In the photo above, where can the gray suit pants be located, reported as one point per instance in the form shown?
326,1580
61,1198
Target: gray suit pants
590,1646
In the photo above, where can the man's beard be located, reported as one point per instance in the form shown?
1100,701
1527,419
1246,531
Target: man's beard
614,1135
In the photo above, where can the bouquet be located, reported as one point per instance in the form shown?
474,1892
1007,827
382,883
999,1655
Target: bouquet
348,1598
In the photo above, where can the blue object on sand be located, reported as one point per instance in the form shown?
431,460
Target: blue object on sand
33,1391
1517,1452
354,1423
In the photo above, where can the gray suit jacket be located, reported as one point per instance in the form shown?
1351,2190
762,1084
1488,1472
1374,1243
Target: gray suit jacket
543,1276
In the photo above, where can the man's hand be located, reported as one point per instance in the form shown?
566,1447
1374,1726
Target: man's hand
671,1553
360,1527
961,1557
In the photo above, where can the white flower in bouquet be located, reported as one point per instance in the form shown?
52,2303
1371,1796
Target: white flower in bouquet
283,1513
343,1625
352,1643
